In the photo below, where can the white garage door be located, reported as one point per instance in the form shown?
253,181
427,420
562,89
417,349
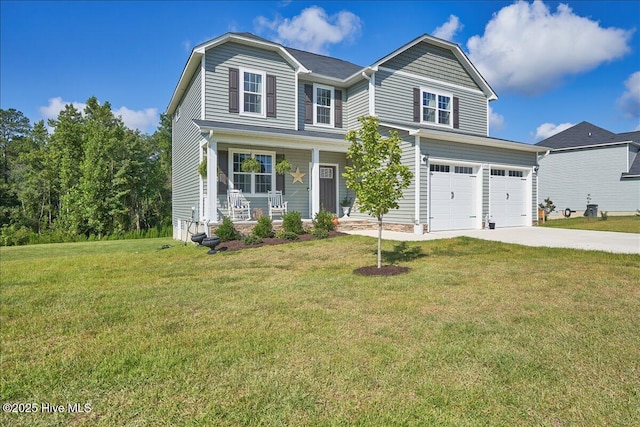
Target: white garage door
508,197
454,197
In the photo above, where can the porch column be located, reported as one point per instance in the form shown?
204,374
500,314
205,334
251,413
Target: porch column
212,181
315,181
418,228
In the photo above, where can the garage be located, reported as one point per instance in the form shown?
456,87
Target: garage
508,197
454,200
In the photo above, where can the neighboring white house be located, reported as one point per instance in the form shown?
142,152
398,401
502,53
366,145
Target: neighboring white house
588,161
242,96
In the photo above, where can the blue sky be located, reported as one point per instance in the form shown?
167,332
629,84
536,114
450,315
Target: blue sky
552,64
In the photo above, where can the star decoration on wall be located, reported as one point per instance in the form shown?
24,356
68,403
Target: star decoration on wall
297,176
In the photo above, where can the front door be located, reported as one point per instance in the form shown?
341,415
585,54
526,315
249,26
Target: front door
328,188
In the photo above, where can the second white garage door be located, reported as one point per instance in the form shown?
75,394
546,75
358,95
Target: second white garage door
454,197
508,197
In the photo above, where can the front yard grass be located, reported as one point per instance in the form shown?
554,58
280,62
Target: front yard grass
478,333
623,224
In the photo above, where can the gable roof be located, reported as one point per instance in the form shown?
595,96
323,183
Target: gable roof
581,135
317,67
458,53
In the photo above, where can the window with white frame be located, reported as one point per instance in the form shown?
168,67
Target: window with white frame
252,88
253,182
437,107
323,105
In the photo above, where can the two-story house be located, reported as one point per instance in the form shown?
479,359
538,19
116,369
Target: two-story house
242,96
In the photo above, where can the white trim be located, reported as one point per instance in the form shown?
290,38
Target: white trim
607,144
433,81
176,116
297,100
203,89
211,211
488,117
201,179
372,95
332,107
252,153
416,175
263,92
315,182
437,108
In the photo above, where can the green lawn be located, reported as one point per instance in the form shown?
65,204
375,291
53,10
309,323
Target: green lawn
624,224
477,334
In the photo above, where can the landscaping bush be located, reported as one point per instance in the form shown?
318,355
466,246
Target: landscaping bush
264,228
288,235
252,239
227,231
323,220
292,222
320,233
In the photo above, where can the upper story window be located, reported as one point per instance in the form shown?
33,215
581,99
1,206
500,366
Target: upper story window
436,107
252,89
323,105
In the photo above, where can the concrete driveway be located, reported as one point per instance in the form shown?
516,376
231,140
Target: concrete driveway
625,243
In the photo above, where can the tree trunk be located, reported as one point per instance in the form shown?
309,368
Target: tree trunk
379,242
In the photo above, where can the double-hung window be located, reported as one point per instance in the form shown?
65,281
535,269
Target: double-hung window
436,107
260,182
323,105
252,92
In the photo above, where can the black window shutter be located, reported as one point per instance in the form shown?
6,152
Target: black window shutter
234,92
308,104
416,104
279,178
338,108
456,113
223,172
271,95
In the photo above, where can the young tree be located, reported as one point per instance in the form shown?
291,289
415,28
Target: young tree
376,175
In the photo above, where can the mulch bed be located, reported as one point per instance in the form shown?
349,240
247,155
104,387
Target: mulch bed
234,245
385,270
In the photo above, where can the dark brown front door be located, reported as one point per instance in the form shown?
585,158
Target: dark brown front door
328,188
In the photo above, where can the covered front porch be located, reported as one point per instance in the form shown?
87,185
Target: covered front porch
314,181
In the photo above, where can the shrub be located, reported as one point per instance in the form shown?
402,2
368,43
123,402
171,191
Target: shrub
287,235
323,220
264,228
292,222
227,231
320,233
604,215
252,239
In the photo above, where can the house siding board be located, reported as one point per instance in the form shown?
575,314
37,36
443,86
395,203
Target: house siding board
185,154
357,104
568,176
220,59
477,153
394,102
433,62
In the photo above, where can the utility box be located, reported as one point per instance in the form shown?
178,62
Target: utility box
592,211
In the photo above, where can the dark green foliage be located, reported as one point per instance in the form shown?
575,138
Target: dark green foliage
91,177
292,222
323,220
288,235
320,233
252,239
227,231
264,228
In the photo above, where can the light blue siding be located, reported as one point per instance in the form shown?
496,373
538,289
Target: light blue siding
394,101
186,155
233,55
568,176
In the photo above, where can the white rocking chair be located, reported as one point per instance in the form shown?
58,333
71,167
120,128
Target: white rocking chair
276,203
239,206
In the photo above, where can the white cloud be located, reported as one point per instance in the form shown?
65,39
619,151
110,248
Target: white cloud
144,120
629,102
313,30
546,130
449,29
496,121
529,49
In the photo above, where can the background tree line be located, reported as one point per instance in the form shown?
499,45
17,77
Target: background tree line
91,178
